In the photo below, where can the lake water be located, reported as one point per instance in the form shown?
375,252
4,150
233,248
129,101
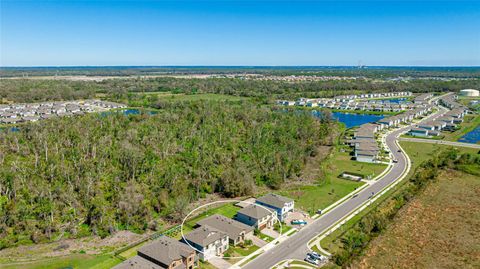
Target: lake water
352,119
472,136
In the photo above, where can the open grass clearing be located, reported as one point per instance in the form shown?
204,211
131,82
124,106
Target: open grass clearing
331,188
418,153
438,229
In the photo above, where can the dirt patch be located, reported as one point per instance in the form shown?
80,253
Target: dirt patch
438,229
88,245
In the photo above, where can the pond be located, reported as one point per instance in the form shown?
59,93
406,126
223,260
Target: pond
352,119
130,111
472,136
10,129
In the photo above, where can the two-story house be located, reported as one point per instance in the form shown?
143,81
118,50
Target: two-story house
282,205
209,242
237,232
163,253
257,216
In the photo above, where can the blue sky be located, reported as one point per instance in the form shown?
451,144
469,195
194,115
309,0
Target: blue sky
57,33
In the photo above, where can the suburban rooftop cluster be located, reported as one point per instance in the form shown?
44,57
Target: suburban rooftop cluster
15,113
212,235
446,122
365,146
356,102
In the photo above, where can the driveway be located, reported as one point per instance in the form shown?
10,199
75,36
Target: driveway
220,263
297,215
257,241
271,232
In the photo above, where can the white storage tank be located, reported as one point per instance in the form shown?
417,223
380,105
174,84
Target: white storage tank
469,92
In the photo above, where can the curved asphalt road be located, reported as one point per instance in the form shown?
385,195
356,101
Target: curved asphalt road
295,247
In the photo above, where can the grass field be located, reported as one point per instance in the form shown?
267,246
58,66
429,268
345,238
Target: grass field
438,229
194,97
418,153
313,197
76,261
228,210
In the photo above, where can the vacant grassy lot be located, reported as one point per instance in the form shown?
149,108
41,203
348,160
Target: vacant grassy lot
310,198
418,153
440,228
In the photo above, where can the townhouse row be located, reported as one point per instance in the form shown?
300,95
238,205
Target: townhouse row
365,146
371,105
16,113
446,122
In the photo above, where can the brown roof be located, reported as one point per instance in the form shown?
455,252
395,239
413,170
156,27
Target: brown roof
255,211
205,235
166,250
137,262
226,225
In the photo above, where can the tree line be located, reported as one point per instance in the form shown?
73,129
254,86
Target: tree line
33,90
99,173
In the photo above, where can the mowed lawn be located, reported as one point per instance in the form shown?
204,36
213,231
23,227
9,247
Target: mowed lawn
228,210
310,198
420,152
440,228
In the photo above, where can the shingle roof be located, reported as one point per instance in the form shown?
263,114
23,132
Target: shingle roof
274,200
255,211
137,262
204,235
166,250
226,225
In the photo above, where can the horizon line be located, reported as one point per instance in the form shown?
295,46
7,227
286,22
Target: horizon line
244,66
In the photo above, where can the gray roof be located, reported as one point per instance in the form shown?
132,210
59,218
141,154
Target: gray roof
418,130
137,262
226,225
366,153
166,250
204,235
255,211
275,200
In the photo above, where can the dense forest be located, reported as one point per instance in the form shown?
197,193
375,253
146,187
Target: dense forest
102,172
31,90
